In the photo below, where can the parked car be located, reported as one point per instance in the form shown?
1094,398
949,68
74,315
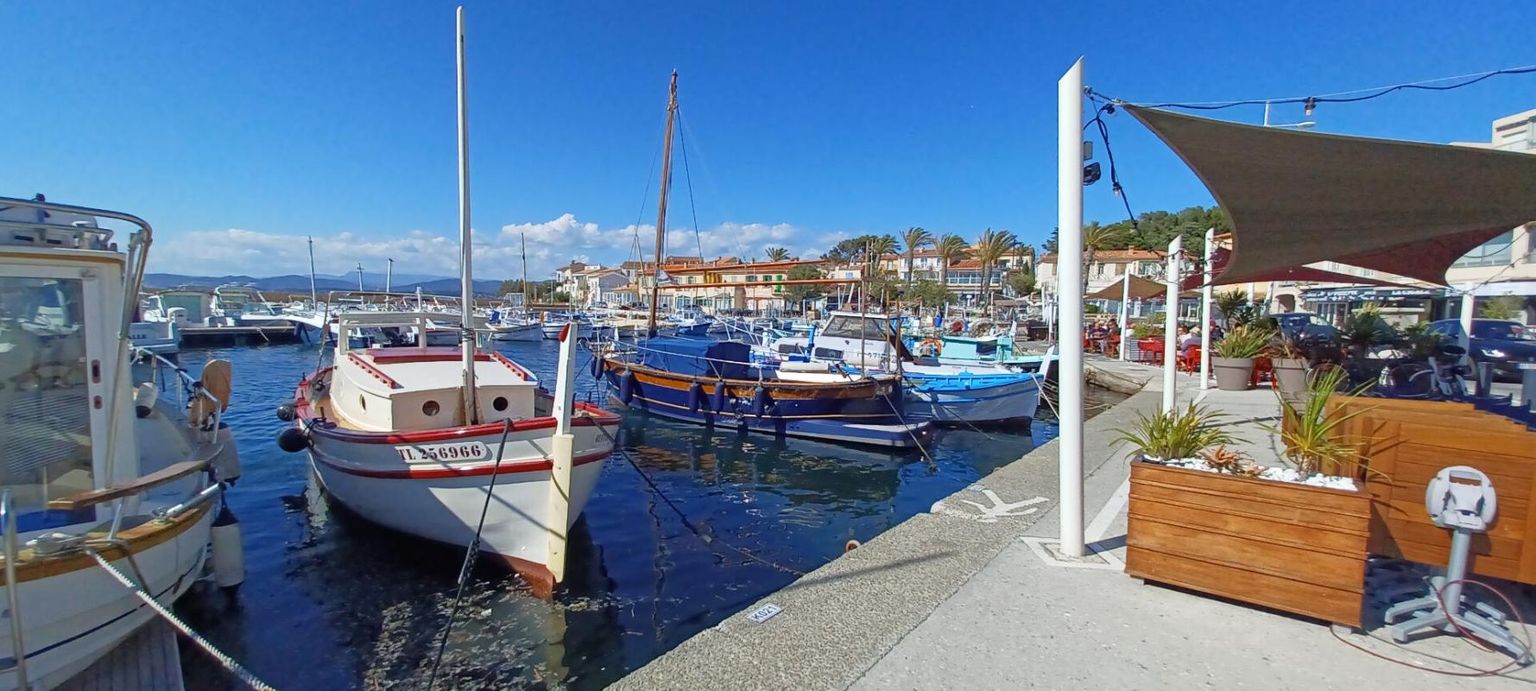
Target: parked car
1505,343
1305,327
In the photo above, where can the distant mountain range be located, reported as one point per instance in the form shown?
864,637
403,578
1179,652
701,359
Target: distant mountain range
294,283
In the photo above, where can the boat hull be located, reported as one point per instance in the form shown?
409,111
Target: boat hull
868,419
951,403
392,480
517,332
74,617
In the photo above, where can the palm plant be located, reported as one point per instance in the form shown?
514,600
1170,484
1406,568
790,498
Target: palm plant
951,248
915,238
776,254
1231,304
1169,435
990,247
1308,426
1244,341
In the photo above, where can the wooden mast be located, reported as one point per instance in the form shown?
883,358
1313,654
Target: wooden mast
469,414
661,208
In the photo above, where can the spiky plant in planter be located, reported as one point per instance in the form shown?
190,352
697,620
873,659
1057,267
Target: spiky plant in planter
1309,430
1289,364
1172,435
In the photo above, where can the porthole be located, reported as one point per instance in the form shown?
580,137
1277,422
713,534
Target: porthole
362,401
500,403
430,408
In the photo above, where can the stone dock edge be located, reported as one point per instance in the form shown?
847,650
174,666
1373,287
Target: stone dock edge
836,622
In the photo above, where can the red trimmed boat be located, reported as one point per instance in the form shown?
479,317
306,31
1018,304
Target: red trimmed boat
451,444
385,432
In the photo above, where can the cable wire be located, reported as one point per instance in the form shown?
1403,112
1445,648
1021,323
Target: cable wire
469,555
688,176
1352,96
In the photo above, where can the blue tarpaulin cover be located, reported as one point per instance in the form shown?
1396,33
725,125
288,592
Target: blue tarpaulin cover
695,358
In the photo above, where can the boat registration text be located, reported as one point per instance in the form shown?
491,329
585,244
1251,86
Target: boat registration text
460,451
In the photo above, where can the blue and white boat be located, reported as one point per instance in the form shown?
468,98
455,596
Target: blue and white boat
716,384
854,345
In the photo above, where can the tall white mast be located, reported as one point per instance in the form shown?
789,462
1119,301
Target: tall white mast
314,295
467,298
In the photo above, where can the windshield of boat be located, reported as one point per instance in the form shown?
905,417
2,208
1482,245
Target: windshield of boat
849,326
44,400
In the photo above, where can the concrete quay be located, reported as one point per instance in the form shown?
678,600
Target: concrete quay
964,597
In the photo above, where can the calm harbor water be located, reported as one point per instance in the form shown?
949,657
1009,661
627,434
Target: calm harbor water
331,602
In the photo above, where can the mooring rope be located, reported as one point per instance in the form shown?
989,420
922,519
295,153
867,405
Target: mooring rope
469,556
228,662
708,540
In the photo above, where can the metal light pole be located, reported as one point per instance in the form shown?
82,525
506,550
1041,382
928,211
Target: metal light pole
389,274
1125,306
359,277
1205,311
1069,219
1171,323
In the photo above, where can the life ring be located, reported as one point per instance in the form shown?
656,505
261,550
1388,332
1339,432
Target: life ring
930,347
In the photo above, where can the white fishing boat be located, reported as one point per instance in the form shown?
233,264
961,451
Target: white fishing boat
99,478
454,445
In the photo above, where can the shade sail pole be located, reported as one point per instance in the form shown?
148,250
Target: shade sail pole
1069,296
1171,324
1468,304
1125,304
1205,311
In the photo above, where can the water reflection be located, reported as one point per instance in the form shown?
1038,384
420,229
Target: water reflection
333,602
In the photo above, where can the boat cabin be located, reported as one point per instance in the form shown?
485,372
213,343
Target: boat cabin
63,374
407,388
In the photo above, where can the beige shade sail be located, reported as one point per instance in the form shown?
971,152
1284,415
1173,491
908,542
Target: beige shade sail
1297,197
1141,288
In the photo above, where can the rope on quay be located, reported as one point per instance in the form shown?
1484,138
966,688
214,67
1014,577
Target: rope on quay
223,659
706,539
469,556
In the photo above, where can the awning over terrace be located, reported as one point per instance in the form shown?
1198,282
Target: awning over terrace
1141,289
1297,197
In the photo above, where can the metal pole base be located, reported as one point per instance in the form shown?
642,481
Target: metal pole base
1430,612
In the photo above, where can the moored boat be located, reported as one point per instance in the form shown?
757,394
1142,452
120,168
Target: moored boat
94,470
449,444
853,345
714,383
387,434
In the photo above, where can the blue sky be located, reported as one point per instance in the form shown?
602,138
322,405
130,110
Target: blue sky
239,128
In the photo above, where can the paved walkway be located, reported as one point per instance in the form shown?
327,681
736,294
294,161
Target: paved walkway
959,598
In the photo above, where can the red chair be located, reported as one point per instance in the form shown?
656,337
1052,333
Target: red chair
1151,350
1189,361
1263,370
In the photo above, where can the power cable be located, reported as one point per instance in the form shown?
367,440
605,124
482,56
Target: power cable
1352,96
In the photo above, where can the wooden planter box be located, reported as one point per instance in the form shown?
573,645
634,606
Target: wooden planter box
1406,442
1285,546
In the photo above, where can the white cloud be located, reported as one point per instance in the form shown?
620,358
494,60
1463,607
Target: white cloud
550,244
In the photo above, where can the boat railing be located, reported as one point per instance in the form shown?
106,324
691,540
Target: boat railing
12,598
188,387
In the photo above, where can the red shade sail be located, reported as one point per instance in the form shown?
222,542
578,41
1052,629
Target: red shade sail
1298,197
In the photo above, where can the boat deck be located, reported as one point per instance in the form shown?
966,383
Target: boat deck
146,660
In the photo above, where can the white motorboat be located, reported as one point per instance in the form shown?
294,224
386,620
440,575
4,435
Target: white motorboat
160,338
853,345
456,445
94,470
520,330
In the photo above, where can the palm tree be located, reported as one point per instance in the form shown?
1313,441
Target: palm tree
951,248
990,247
874,250
1095,238
777,254
915,238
